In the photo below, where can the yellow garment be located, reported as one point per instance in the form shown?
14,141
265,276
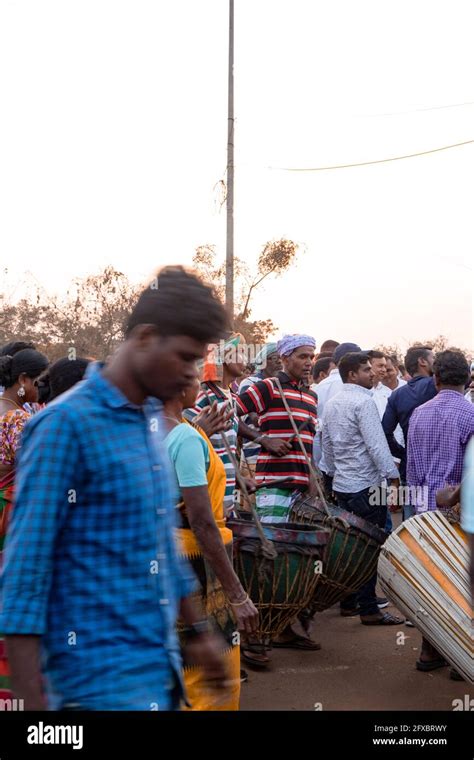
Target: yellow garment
216,481
201,697
214,601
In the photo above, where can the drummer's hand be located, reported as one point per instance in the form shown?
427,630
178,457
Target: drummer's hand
213,419
444,496
205,651
246,615
276,446
251,484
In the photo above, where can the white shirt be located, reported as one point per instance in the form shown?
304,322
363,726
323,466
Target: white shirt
326,389
381,394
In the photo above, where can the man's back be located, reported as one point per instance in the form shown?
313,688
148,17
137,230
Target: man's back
403,401
439,432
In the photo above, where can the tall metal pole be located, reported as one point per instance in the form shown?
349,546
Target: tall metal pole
229,261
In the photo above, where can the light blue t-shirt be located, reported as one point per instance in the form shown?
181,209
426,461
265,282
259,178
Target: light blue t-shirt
189,453
467,490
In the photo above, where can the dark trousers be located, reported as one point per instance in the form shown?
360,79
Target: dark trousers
359,504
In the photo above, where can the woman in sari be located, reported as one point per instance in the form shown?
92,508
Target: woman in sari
207,544
18,375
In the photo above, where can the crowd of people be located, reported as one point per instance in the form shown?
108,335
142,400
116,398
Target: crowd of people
118,589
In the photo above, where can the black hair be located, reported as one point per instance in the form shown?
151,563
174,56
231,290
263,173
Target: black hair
451,368
65,373
178,302
12,348
351,362
412,356
329,346
27,361
374,354
394,359
321,365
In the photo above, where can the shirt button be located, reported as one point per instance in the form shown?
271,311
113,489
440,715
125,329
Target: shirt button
164,601
160,555
161,511
156,467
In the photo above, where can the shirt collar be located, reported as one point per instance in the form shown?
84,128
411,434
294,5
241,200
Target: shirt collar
286,380
353,388
110,394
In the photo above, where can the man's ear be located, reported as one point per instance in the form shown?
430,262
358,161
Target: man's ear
436,382
142,334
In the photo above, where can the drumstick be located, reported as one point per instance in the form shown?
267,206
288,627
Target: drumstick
302,446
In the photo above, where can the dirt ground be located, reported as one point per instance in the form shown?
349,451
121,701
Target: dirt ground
358,668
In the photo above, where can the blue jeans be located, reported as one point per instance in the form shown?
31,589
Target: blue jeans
359,504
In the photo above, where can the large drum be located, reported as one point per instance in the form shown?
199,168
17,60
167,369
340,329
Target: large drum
351,553
282,587
423,569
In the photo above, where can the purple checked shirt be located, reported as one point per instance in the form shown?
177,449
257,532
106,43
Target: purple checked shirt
438,434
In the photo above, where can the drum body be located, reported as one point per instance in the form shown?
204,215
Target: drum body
423,569
351,553
282,587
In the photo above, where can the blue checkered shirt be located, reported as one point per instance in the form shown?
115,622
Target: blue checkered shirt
90,562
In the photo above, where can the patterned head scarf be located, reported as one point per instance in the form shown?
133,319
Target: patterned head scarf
264,353
290,343
213,368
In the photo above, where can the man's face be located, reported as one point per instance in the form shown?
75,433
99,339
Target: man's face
274,364
364,376
164,366
379,368
391,373
298,364
235,361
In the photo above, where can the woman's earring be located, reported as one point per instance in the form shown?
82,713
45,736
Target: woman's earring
21,391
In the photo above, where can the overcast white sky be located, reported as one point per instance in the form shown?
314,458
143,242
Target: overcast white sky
113,136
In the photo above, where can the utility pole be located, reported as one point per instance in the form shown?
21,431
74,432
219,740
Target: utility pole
229,259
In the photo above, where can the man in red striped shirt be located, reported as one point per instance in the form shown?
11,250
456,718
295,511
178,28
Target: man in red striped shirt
284,470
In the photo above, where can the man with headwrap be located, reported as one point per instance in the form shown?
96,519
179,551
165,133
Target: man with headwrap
286,462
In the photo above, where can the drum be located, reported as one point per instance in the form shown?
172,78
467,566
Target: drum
423,569
282,587
351,553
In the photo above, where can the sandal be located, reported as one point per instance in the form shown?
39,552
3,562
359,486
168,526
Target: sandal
426,665
254,658
385,619
298,642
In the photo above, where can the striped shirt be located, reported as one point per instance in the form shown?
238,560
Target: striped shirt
250,449
211,392
264,399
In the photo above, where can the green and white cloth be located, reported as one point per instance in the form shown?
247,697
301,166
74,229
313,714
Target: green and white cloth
274,504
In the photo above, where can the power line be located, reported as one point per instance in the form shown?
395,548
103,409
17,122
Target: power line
367,163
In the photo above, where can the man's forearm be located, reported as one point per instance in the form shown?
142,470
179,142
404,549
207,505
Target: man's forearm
23,654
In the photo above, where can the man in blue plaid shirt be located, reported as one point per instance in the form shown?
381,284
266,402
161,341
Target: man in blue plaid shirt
92,583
